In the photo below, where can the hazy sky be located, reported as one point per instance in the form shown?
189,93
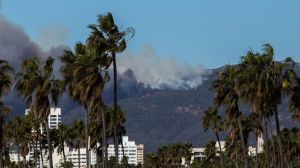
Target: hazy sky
206,32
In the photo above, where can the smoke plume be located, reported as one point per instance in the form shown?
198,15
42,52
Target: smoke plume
160,73
15,45
52,35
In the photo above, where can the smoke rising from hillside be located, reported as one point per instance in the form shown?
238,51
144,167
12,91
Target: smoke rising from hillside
15,45
52,35
160,73
139,73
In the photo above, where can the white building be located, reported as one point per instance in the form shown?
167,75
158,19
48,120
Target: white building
140,154
222,143
260,144
54,119
135,153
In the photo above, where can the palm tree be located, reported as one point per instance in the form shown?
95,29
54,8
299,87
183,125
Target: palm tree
294,104
228,96
118,122
19,133
77,137
257,130
85,74
263,82
4,110
6,73
62,138
212,119
98,122
36,83
210,153
107,36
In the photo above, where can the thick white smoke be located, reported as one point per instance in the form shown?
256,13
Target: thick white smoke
158,72
52,35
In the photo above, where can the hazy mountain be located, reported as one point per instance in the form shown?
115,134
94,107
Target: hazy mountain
170,116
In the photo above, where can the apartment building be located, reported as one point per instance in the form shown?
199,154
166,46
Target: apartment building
131,150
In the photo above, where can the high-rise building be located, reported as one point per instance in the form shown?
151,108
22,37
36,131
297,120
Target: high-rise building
140,154
260,144
54,119
131,151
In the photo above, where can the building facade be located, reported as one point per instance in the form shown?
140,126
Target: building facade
134,153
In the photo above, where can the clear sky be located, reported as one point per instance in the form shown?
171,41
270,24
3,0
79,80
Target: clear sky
206,32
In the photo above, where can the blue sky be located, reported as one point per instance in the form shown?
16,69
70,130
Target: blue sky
206,32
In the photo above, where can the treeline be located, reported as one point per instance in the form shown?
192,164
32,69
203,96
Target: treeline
261,83
84,73
180,155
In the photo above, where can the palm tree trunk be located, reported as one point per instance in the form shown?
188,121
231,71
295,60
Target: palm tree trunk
64,154
49,144
1,155
78,152
243,143
104,148
266,142
220,149
115,110
274,160
1,140
41,151
18,149
256,152
87,140
106,154
97,155
126,161
278,138
35,153
236,157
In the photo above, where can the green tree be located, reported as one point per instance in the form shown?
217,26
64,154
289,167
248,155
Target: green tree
85,74
263,81
108,37
77,137
210,153
62,138
225,87
6,77
36,83
212,119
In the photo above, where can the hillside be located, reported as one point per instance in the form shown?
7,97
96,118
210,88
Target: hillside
172,116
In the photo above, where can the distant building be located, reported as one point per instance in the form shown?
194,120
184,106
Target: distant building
222,143
140,154
131,150
251,151
260,144
54,119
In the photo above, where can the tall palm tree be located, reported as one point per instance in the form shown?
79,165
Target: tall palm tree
77,137
266,81
257,130
212,119
107,36
85,74
36,83
4,110
210,153
118,122
99,122
62,138
228,96
6,77
294,104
